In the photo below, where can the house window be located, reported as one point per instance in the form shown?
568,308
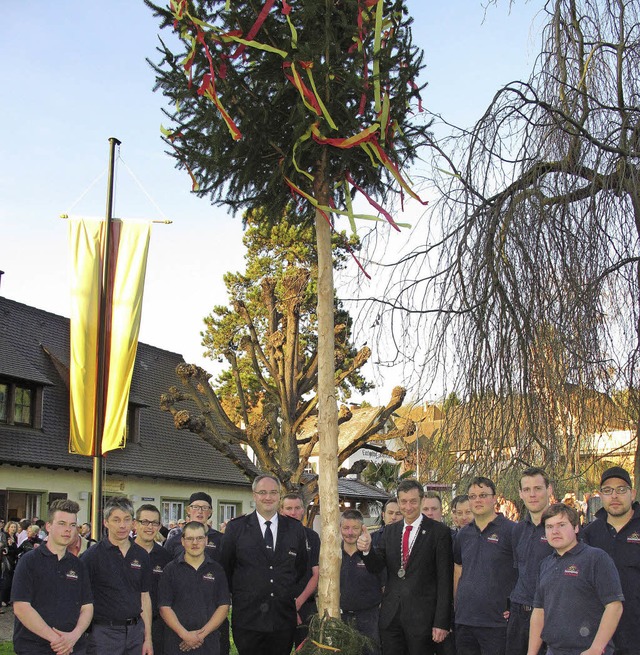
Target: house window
172,510
227,511
20,404
4,402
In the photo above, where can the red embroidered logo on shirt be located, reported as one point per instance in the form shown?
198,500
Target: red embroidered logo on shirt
571,570
633,538
135,564
208,577
72,575
493,538
544,539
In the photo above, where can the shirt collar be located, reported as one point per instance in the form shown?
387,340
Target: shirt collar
416,524
273,519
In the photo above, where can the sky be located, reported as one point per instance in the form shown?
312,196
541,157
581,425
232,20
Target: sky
75,74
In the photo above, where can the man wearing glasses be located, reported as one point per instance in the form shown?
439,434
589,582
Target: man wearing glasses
146,525
264,555
616,530
484,575
193,596
199,509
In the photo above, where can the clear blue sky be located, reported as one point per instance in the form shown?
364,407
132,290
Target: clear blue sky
74,74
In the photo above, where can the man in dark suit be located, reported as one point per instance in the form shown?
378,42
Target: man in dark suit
416,607
265,558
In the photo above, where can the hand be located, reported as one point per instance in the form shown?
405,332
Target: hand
147,647
438,635
298,619
364,540
506,614
191,640
62,643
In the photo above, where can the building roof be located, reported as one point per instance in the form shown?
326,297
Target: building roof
358,490
34,346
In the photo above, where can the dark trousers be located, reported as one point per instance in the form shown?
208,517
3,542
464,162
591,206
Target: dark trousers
474,640
116,640
306,612
366,623
518,630
251,642
398,638
448,646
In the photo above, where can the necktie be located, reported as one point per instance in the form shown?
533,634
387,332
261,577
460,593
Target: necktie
268,536
405,545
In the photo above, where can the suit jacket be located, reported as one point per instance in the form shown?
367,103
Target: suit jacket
425,595
264,585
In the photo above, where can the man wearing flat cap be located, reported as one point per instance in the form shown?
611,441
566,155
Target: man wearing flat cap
199,509
616,530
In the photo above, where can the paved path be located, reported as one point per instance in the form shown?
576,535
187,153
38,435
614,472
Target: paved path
6,624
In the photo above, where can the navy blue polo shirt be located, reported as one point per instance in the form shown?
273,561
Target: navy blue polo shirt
117,581
573,590
359,589
530,547
624,548
488,573
214,543
158,558
194,595
56,588
313,558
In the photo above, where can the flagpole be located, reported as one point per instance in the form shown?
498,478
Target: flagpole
101,390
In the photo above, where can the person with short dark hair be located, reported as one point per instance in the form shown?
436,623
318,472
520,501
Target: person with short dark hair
147,524
530,547
264,555
415,614
390,514
292,505
193,597
120,574
484,575
578,600
616,530
52,599
360,590
461,513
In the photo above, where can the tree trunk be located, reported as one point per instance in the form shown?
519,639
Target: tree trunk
330,556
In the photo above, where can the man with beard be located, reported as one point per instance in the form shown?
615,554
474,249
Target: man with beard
616,530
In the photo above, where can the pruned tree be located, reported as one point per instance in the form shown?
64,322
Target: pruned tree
533,262
312,99
268,336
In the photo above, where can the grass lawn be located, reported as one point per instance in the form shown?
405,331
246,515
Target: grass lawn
6,648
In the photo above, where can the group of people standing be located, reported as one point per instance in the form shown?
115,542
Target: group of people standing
415,587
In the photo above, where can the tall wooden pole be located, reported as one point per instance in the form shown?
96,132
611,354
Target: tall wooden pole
330,557
103,341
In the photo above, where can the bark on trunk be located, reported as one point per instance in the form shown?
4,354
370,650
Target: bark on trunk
330,556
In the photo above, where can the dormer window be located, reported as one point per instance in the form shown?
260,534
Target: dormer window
20,403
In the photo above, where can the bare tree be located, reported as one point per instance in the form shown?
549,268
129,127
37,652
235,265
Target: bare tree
529,285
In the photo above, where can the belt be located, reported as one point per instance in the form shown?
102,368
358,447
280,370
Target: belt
117,622
524,608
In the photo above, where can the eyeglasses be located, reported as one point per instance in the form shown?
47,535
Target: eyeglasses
146,523
192,540
480,496
199,508
263,493
621,490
